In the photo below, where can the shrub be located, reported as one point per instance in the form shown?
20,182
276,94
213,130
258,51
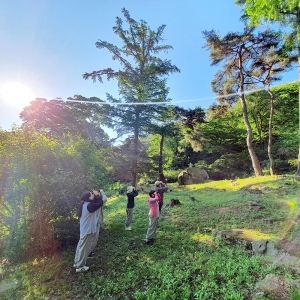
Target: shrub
66,232
171,175
230,166
283,166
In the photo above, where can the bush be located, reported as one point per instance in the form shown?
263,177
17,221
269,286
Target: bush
151,176
171,175
230,166
283,166
66,232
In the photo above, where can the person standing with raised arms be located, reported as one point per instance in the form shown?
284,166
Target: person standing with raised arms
88,229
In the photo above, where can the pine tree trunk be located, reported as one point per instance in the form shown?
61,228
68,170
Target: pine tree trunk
134,166
255,162
160,159
272,172
298,45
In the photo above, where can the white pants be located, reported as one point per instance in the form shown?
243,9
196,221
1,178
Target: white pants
83,249
95,238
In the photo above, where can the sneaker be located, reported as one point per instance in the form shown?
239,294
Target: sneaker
91,255
82,269
149,242
128,228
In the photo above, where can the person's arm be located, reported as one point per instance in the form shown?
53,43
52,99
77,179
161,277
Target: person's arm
93,206
163,188
96,203
152,199
104,197
157,197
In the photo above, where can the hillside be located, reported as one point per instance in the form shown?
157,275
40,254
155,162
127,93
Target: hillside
188,260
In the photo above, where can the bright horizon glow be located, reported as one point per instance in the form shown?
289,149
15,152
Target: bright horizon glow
16,94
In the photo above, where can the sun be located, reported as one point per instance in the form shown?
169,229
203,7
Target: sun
16,94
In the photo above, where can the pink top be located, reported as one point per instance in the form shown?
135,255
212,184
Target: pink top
153,205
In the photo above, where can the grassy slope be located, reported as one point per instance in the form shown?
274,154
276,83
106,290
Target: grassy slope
187,261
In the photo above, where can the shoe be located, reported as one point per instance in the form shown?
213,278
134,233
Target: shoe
149,242
91,255
82,269
128,228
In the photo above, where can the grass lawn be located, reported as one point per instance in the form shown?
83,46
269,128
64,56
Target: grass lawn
187,261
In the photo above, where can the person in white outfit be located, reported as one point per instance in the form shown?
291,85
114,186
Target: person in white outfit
88,229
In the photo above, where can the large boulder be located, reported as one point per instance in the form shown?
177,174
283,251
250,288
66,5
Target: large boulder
191,176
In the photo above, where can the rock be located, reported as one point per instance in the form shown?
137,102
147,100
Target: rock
192,176
259,247
275,256
275,287
255,191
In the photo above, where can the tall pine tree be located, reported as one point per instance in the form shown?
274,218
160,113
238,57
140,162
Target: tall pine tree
141,80
286,13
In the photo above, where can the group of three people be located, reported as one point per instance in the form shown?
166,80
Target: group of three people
156,201
91,217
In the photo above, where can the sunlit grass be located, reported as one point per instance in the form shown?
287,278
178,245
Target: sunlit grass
116,213
203,238
253,235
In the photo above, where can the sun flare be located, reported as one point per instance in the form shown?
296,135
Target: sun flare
16,94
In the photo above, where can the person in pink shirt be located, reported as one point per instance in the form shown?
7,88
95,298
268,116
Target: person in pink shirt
153,216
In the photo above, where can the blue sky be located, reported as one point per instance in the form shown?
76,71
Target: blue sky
48,44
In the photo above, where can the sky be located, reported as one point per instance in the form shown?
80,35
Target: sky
47,45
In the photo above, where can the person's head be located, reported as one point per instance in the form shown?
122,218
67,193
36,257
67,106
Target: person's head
87,196
158,183
96,192
152,193
130,189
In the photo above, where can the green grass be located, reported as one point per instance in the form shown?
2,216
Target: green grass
187,261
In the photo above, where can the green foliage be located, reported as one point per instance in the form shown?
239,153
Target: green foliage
153,152
41,180
283,11
171,175
151,176
225,133
231,166
226,137
60,118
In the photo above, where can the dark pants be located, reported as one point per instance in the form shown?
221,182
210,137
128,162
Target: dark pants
160,204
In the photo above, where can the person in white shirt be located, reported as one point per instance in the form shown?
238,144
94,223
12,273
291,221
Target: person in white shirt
88,229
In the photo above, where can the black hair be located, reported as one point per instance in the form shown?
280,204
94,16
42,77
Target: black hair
151,192
84,198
